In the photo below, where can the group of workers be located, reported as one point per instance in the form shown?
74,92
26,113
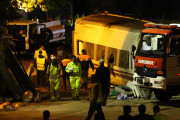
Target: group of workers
72,71
75,70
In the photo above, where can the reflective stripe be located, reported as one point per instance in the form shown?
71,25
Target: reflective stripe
84,57
43,53
54,76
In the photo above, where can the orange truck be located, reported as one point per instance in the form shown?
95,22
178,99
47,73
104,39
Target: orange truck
157,60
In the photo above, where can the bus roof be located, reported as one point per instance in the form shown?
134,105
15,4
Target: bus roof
112,20
22,22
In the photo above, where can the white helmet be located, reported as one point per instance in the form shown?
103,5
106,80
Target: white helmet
53,57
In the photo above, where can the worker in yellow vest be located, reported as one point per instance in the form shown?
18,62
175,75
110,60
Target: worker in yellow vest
36,53
40,64
64,63
53,71
74,69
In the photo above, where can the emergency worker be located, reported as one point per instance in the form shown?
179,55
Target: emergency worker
53,71
110,64
43,52
74,69
70,25
64,63
40,64
85,60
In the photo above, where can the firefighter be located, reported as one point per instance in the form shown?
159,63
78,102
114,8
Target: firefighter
53,71
40,64
85,60
64,63
74,69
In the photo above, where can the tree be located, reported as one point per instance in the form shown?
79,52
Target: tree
29,5
9,11
56,7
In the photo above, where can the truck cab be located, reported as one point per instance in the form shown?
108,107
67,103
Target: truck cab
157,60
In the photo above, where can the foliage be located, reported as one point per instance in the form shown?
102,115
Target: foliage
9,11
29,5
58,7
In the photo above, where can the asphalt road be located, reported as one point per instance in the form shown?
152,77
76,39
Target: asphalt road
67,109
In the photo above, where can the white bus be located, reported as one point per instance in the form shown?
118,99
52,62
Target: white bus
104,34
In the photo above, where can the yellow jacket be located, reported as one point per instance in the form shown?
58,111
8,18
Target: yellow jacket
40,62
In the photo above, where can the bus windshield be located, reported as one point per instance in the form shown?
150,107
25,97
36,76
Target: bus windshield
151,44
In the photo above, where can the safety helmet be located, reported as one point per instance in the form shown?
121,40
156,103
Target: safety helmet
53,57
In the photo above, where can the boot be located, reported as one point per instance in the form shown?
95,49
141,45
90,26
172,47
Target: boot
58,94
52,92
77,94
53,97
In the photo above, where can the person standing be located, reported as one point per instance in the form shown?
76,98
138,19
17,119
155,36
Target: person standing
96,99
103,76
53,71
40,64
36,53
110,64
64,63
70,25
74,69
85,60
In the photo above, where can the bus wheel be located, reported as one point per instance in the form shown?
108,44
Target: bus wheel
162,95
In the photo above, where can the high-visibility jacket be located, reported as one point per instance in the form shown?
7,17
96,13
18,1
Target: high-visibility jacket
85,61
65,62
76,67
70,21
54,72
43,54
40,62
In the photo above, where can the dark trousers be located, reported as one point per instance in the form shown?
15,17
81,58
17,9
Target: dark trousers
95,107
84,78
41,78
65,76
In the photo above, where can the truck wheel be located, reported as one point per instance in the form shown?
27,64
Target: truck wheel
162,95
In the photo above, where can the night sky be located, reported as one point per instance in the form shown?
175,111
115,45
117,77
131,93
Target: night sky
167,9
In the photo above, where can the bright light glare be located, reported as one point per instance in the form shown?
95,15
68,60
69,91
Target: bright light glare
29,5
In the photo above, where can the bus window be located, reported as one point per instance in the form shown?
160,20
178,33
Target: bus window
114,52
124,59
100,52
90,49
